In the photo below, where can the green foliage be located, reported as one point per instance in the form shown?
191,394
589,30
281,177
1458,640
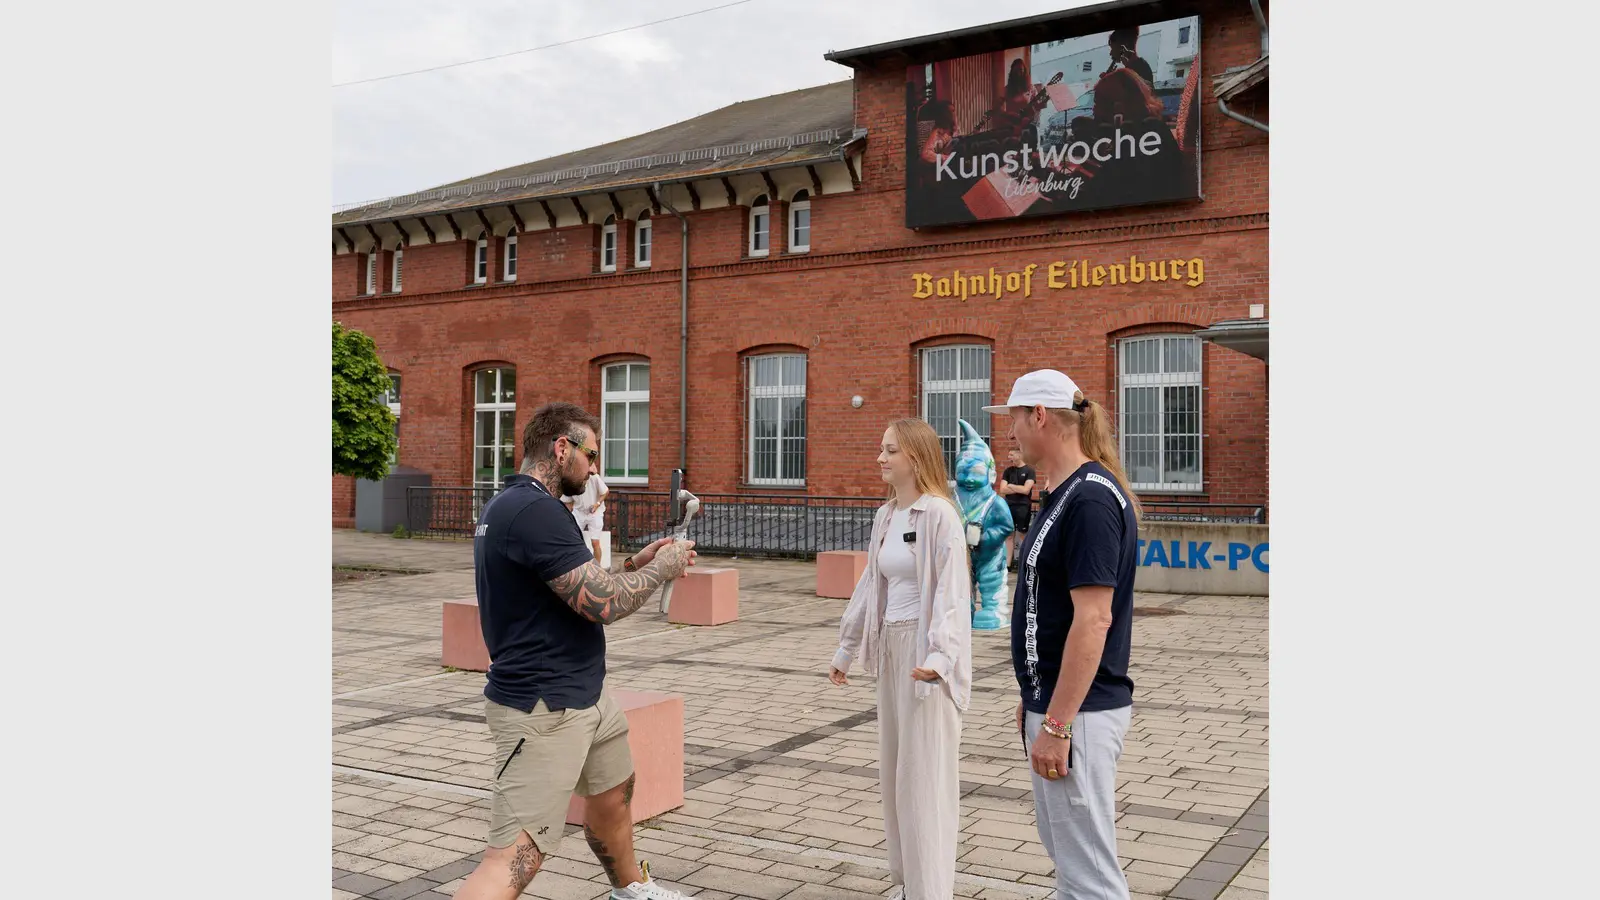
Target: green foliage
363,428
400,532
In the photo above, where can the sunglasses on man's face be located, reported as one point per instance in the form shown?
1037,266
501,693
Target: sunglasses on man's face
592,452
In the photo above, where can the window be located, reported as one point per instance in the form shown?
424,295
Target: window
955,385
778,419
1183,34
372,271
625,416
394,276
391,399
480,260
760,216
1160,412
494,430
511,257
800,223
641,241
1087,65
608,245
1179,71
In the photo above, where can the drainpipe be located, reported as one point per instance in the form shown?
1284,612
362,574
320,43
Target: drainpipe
683,335
1222,106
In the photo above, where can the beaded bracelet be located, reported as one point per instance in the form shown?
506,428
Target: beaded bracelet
1056,729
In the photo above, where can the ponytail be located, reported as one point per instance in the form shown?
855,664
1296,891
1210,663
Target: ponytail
1099,442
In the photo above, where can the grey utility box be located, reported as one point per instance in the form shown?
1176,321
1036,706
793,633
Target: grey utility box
381,505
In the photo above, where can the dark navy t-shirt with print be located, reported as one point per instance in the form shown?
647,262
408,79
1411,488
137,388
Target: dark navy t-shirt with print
1087,534
539,648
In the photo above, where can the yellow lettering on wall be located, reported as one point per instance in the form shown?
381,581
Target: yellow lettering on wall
1119,273
1013,282
944,287
1197,272
1056,270
1099,275
1135,270
924,285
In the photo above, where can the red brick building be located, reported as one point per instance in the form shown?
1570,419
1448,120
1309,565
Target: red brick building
562,280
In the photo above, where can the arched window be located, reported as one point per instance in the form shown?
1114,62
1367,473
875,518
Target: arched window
760,226
480,260
641,241
800,223
625,411
956,385
372,271
1159,383
494,431
394,273
511,256
777,419
608,245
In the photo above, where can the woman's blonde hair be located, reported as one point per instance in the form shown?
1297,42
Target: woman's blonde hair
1096,439
918,440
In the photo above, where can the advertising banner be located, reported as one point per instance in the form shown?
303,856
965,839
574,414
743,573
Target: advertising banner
1090,122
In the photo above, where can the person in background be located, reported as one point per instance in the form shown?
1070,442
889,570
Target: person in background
589,507
1124,45
910,622
1016,485
1072,629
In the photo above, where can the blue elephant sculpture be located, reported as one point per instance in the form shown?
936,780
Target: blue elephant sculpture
988,525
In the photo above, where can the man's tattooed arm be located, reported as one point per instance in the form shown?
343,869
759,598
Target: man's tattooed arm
607,597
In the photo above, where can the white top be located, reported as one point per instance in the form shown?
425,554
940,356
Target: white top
588,503
898,563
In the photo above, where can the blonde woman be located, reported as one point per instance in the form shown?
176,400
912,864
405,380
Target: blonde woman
910,623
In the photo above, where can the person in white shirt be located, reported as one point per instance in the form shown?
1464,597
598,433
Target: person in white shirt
910,623
589,507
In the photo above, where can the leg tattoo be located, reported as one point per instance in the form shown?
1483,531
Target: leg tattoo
524,864
607,860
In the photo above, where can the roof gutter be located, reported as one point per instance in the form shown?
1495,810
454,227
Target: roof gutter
1222,105
831,156
683,333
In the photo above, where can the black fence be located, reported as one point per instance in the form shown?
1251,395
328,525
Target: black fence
444,511
1221,513
740,525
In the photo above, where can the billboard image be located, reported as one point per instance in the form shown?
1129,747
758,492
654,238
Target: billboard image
1090,122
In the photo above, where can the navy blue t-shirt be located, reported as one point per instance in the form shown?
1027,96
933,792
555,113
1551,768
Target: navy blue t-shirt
539,648
1086,534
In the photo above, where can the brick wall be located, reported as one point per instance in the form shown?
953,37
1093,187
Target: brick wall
848,304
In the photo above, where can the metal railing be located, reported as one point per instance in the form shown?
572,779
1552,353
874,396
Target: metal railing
444,511
1184,511
743,525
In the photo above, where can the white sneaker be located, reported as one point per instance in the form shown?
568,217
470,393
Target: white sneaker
647,889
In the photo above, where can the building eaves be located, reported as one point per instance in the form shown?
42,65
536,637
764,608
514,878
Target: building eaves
1229,85
1014,33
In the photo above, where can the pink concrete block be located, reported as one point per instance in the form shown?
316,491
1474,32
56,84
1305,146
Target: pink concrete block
838,571
655,738
705,597
463,646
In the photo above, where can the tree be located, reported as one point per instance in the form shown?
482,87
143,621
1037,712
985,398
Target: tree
363,428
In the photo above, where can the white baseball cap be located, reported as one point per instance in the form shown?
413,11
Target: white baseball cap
1045,387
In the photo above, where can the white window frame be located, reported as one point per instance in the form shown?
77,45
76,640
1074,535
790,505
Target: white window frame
372,272
1158,380
480,260
780,391
625,398
608,245
499,439
963,383
508,270
643,241
394,269
763,213
795,208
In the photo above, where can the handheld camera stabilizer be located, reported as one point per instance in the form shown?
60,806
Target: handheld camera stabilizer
684,507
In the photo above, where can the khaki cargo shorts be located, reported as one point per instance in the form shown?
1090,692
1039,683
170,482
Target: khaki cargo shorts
542,758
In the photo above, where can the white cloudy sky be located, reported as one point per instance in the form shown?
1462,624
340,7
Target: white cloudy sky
407,134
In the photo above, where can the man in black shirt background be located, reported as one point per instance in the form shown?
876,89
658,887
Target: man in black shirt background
1072,627
543,603
1016,485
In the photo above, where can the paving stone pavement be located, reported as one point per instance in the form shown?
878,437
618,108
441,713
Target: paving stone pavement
780,766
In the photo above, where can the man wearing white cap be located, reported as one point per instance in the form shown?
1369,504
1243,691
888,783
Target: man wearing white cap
1071,627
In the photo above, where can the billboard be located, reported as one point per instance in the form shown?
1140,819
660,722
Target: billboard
1089,122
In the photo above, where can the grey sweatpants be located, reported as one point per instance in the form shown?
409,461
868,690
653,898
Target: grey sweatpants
1077,814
